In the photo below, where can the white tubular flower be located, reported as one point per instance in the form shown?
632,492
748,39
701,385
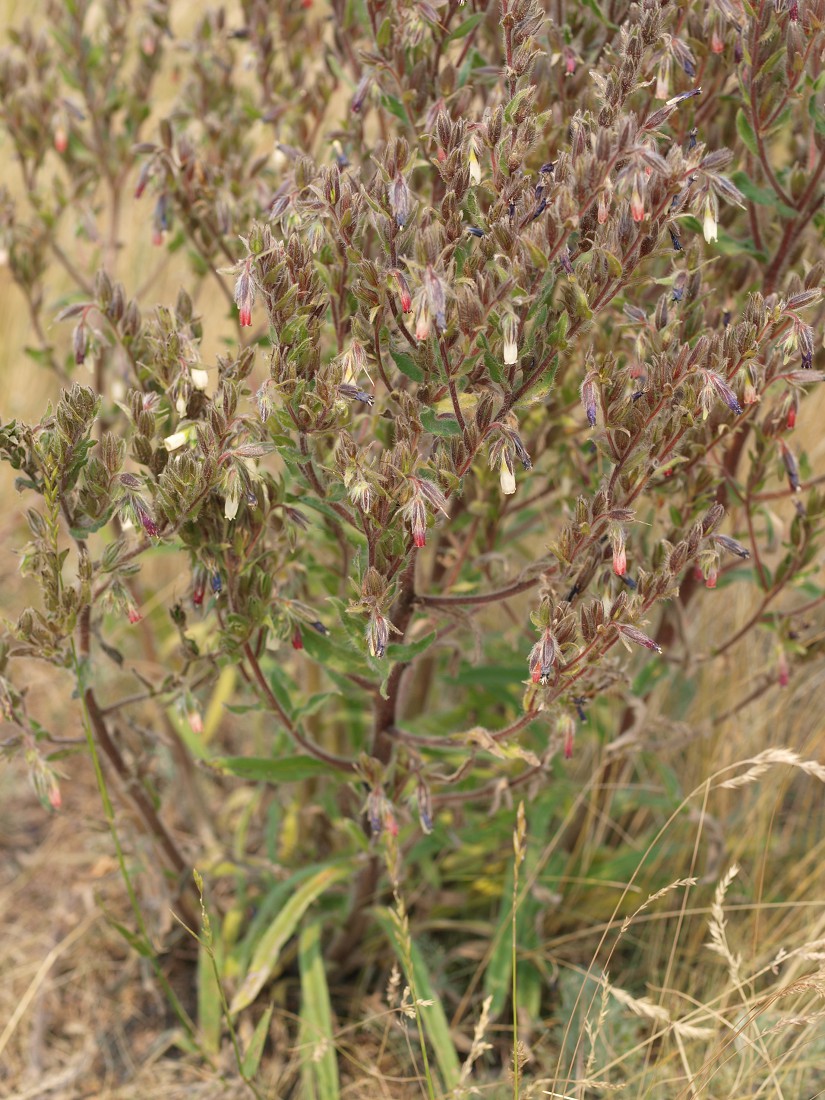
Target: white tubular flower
507,476
232,502
709,226
200,378
176,440
509,330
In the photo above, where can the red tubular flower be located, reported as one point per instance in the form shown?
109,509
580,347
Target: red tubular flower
784,672
403,291
297,639
637,206
148,524
619,555
245,295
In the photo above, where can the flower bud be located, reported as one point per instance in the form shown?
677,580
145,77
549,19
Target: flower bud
399,195
637,636
403,291
589,396
732,546
543,656
425,806
791,466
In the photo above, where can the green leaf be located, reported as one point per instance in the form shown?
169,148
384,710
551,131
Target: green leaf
315,702
517,100
493,366
542,386
407,365
410,650
445,425
319,1064
745,131
816,113
254,1052
433,1016
396,107
596,8
81,533
762,196
463,29
268,952
258,769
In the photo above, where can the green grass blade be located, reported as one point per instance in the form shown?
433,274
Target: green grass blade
499,972
254,1052
210,1009
268,951
433,1016
318,1056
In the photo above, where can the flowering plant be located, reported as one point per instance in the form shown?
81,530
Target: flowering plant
517,318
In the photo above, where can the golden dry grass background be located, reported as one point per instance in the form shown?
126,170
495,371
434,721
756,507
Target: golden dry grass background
79,1016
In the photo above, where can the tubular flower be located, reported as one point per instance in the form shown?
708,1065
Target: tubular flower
619,555
509,330
507,477
567,728
422,323
417,516
436,296
709,224
474,166
637,206
403,291
245,295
